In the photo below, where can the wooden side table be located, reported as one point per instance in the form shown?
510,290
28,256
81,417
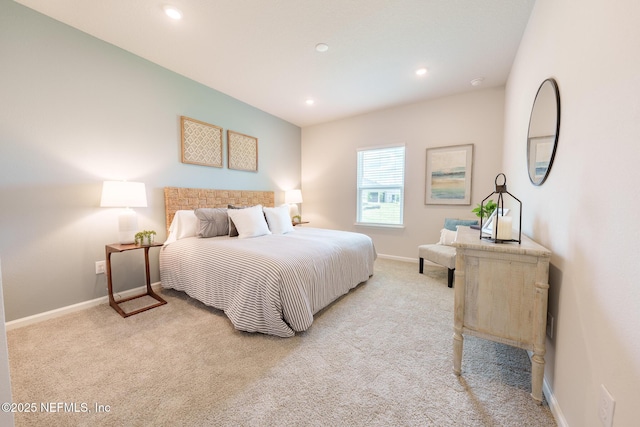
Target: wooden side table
116,248
300,223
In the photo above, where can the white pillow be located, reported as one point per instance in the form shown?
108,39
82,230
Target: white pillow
184,224
447,237
249,221
278,219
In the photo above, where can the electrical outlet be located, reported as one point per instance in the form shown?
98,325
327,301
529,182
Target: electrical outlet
550,325
606,405
101,267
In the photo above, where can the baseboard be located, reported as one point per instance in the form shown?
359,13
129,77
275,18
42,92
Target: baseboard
411,260
40,317
553,405
551,400
398,258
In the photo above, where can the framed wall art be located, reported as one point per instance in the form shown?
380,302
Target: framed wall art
242,151
448,175
201,142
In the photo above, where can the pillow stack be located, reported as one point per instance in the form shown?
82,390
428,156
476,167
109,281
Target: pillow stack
244,222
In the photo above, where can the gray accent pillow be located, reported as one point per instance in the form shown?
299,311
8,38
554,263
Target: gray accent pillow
213,222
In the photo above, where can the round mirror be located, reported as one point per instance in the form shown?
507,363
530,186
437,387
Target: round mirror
544,127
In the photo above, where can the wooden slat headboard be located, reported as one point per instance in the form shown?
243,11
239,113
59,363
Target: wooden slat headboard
176,199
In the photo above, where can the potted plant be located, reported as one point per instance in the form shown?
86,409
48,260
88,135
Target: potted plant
486,210
145,237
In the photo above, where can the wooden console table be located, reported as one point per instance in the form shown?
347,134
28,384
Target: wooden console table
501,293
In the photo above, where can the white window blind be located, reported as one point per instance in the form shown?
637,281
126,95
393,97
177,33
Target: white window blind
381,185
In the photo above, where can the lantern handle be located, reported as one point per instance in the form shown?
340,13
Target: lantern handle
501,188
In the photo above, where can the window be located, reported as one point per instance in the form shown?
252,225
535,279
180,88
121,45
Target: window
381,185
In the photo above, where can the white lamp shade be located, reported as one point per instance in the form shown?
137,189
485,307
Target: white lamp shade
293,196
123,194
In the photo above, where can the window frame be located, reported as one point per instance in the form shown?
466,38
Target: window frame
381,187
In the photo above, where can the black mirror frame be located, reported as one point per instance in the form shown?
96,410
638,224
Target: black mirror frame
554,85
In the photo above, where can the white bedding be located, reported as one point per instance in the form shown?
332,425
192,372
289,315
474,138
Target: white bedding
272,284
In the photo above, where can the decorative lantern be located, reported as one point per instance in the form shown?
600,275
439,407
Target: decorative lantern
499,226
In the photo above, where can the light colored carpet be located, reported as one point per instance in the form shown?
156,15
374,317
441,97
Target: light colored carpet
379,356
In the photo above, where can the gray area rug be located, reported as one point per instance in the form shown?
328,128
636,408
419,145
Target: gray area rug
379,356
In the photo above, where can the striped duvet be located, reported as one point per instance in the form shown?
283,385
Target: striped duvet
271,284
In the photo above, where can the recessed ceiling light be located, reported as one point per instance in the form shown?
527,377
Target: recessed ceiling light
421,71
322,47
172,12
309,101
477,82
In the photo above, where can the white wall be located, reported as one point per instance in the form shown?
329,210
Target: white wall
6,418
329,164
586,212
76,111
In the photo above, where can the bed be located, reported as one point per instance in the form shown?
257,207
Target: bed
272,283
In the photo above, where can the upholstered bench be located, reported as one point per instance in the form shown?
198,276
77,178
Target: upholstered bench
442,253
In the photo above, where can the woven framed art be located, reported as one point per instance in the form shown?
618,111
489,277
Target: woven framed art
201,143
242,151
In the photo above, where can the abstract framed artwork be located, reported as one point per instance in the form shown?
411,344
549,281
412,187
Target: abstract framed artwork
201,143
242,151
448,175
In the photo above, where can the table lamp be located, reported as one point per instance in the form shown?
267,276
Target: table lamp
127,195
292,198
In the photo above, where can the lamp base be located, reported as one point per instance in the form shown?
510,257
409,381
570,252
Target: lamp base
127,226
293,210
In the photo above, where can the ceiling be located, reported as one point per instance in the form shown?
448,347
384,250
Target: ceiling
262,52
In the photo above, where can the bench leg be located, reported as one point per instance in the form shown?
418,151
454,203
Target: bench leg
450,281
421,265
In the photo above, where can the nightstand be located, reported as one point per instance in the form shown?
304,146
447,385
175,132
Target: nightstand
117,248
300,223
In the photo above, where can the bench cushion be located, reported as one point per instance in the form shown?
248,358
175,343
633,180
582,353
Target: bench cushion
440,254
